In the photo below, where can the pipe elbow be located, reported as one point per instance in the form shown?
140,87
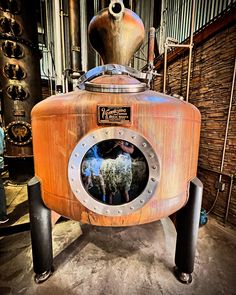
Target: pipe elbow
116,9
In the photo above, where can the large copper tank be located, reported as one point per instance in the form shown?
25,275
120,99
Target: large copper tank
75,134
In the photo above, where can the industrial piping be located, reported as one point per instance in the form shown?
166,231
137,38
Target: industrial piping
169,43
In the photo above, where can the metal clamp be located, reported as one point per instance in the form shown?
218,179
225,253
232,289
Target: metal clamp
113,69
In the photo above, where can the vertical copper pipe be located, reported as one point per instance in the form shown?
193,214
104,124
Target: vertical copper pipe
20,80
165,67
74,13
151,44
84,35
57,45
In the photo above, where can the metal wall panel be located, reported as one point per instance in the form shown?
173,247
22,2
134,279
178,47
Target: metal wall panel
144,9
178,16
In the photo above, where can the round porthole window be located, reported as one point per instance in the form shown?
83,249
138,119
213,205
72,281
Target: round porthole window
113,171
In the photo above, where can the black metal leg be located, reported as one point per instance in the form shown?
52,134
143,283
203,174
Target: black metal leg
41,232
187,224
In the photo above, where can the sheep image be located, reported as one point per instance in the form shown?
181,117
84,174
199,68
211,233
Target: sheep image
112,172
117,174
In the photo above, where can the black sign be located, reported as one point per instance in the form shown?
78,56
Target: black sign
114,114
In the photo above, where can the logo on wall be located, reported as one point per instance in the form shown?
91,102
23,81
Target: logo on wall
19,133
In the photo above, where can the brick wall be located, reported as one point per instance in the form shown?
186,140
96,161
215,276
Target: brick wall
210,87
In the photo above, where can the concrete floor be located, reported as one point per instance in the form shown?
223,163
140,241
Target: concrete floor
101,261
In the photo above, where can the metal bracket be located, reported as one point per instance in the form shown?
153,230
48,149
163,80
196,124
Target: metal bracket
113,69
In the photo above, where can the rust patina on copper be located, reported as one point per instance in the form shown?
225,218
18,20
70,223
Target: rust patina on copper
66,128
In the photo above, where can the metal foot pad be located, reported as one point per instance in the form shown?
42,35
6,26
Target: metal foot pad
184,278
42,277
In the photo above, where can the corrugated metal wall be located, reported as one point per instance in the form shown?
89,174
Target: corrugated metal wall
176,16
145,10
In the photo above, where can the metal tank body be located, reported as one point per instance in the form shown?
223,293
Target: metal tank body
167,127
113,152
73,133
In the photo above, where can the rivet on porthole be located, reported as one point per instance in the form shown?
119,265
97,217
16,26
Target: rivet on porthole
144,144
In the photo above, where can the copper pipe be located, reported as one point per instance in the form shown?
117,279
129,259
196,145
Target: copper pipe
165,67
84,35
151,45
74,21
57,42
116,9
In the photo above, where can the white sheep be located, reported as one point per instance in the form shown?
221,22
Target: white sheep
109,175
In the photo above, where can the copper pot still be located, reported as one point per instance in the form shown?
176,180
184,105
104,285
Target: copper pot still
113,152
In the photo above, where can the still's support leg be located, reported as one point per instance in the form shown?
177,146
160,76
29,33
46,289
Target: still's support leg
187,224
41,232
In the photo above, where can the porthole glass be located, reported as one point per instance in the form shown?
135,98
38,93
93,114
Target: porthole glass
114,172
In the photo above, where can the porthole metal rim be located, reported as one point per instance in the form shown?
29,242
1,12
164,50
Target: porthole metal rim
108,133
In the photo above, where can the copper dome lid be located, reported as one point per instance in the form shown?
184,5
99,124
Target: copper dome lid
115,84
